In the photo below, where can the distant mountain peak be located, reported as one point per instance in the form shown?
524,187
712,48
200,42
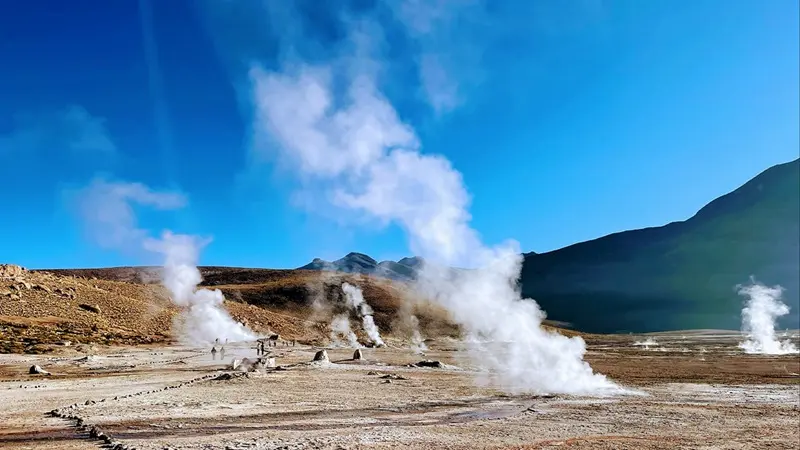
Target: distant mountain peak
412,261
359,257
354,262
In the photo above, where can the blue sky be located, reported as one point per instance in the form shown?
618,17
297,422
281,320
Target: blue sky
567,121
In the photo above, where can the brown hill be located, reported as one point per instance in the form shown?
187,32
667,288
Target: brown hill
126,305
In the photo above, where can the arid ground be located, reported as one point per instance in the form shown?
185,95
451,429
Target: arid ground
697,391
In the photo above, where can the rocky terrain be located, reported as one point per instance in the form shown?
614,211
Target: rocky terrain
88,361
41,310
687,391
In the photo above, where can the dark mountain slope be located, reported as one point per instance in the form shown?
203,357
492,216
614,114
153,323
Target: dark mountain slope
681,275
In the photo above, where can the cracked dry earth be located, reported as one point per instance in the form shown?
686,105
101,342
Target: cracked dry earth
699,394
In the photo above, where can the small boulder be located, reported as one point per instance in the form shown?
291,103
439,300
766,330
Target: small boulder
430,363
321,355
42,287
393,376
36,370
11,270
91,308
244,364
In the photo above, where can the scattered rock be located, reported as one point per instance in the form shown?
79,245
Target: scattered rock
245,364
42,287
321,355
36,370
86,348
227,376
357,355
11,270
66,293
430,363
393,376
91,308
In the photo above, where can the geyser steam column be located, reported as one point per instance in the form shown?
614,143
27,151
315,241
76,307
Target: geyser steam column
357,149
106,208
205,318
355,298
759,315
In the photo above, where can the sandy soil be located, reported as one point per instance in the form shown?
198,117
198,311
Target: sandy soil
700,392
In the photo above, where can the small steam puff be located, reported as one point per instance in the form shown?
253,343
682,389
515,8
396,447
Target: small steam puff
647,343
417,343
205,318
355,299
759,314
340,327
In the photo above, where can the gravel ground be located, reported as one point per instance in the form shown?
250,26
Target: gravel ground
701,393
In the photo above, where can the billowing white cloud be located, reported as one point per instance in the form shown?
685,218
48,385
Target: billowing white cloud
107,210
324,139
364,142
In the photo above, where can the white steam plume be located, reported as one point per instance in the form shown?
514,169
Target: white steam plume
647,343
108,211
762,308
406,322
358,147
355,299
205,318
418,344
340,327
